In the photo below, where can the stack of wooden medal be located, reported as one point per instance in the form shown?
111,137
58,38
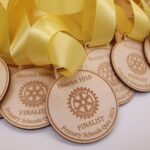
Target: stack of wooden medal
84,107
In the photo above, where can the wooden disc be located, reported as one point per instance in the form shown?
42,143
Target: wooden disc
98,61
79,108
130,65
4,78
24,104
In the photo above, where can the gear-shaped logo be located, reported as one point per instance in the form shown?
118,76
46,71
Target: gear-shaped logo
105,70
83,103
33,94
136,63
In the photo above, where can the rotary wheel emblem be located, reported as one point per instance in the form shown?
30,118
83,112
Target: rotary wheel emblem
83,103
33,94
136,63
105,70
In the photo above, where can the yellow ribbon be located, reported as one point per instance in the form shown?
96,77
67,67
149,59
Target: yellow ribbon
99,29
53,31
40,38
4,38
4,3
60,6
146,7
37,32
133,27
123,25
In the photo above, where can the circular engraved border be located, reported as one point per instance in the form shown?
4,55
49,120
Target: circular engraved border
114,66
73,139
24,127
133,92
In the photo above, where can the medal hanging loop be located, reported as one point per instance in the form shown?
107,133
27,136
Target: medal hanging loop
104,22
40,38
4,3
146,8
60,7
134,29
4,40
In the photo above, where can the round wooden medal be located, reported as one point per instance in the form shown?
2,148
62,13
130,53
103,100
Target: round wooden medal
130,65
4,78
79,108
98,61
24,104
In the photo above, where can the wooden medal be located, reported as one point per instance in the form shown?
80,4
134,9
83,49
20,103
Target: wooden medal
130,65
98,61
25,103
79,108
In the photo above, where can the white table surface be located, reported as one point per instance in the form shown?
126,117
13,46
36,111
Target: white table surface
132,132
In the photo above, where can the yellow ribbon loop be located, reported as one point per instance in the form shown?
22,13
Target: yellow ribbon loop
137,31
123,25
37,32
40,38
60,6
105,22
55,47
4,3
146,7
18,48
88,18
99,29
66,55
41,33
19,30
3,28
4,38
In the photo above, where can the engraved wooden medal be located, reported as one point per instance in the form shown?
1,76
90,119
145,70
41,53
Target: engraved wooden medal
79,108
98,61
24,104
130,65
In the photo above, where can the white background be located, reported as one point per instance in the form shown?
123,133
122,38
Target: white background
132,132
